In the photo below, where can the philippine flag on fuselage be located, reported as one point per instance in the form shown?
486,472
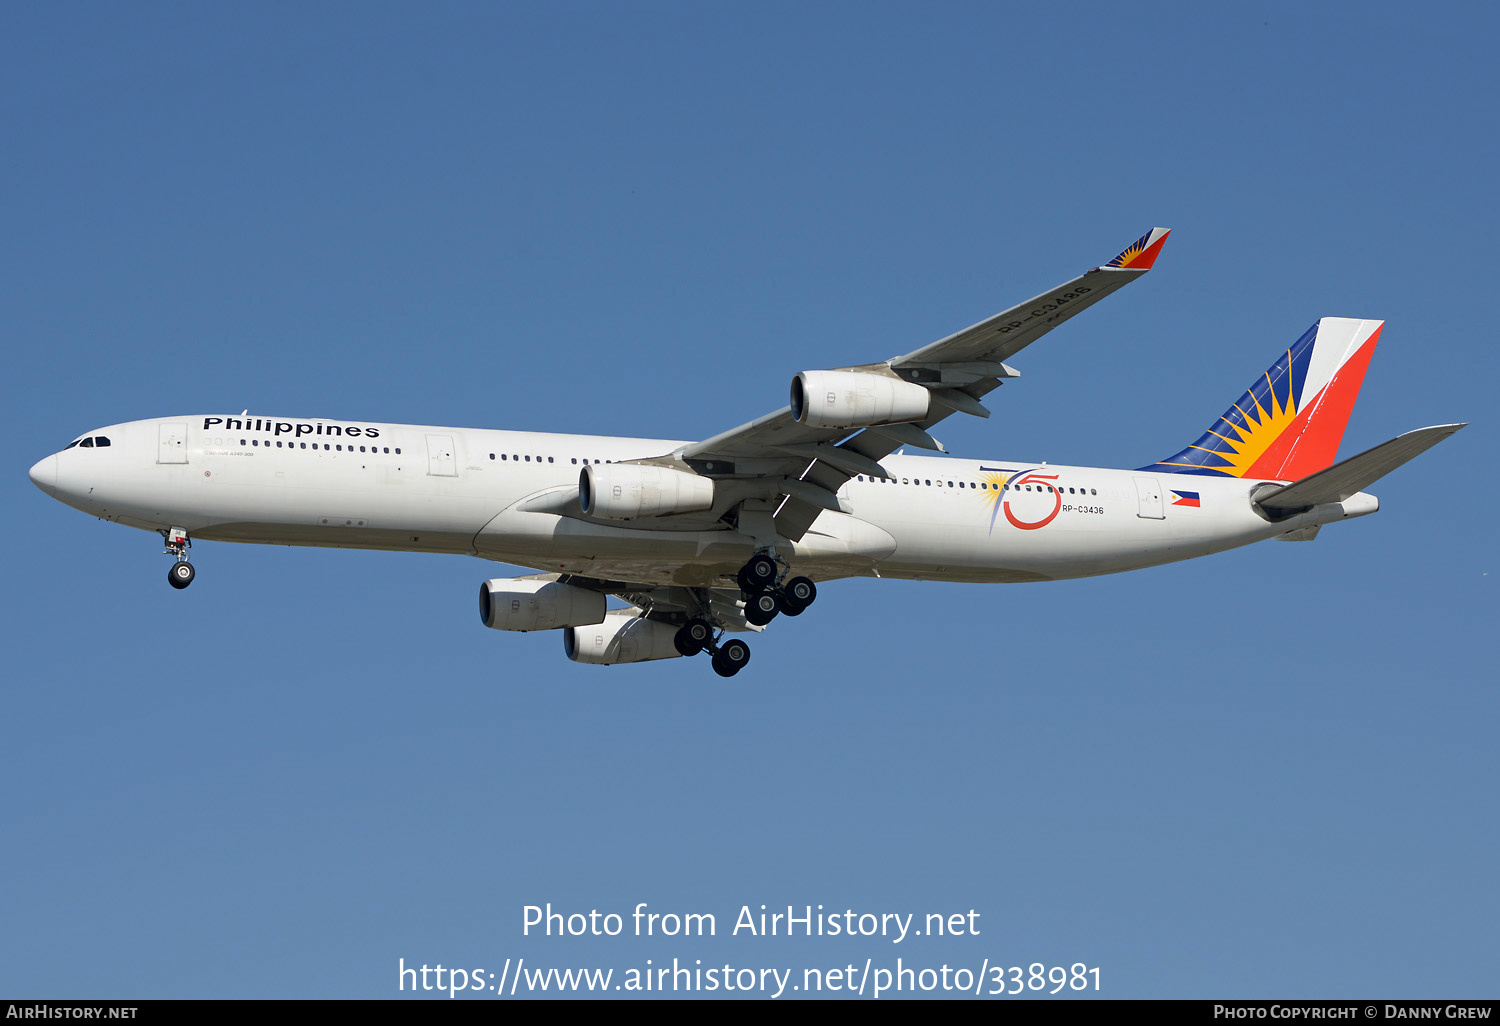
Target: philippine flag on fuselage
1185,499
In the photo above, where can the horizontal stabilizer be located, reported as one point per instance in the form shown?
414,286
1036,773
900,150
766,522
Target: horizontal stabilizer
1357,473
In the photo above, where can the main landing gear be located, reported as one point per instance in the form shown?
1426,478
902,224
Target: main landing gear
767,593
761,580
182,572
698,634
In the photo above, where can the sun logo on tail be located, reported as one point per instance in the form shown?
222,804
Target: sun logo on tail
1289,422
1249,427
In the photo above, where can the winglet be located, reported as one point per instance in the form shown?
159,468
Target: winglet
1141,254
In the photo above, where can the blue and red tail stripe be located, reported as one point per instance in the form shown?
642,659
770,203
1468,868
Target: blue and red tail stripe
1289,422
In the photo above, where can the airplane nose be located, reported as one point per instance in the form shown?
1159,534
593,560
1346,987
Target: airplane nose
44,474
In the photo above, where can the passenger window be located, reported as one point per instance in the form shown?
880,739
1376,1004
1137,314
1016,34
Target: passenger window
398,450
278,443
549,459
575,461
387,451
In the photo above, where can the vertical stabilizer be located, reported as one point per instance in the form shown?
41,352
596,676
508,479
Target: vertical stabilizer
1289,422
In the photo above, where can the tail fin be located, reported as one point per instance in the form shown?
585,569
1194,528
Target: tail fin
1289,422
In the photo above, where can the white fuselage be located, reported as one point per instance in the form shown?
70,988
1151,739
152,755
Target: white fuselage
496,494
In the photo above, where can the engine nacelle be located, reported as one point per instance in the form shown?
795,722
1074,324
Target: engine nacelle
629,491
508,604
845,399
624,637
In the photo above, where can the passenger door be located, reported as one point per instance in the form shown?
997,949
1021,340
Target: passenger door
441,461
1150,496
172,444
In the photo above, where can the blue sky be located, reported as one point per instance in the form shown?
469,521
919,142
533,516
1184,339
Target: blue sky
1268,773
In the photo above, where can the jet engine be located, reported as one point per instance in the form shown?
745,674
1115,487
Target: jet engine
516,604
624,637
845,399
628,491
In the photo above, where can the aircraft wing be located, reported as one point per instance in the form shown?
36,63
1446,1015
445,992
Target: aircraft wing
1006,334
958,370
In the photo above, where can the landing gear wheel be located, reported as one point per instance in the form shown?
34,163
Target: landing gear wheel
731,658
693,637
181,575
801,592
762,609
758,575
787,605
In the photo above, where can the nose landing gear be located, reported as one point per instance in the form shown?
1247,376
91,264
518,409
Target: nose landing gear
182,573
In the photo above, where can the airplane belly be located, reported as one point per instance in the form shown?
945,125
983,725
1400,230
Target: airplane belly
836,546
235,497
569,545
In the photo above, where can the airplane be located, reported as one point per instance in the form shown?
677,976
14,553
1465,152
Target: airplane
710,539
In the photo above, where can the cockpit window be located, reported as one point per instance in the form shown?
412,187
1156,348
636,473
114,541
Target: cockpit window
72,443
87,443
100,441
